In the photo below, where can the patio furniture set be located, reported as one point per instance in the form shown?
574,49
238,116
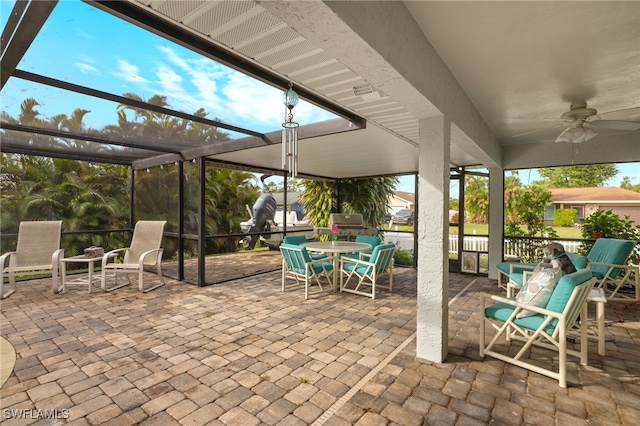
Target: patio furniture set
38,252
316,265
546,313
546,317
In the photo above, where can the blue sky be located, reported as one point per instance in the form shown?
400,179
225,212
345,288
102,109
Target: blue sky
86,46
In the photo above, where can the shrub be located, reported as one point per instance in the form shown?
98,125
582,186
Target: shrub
606,224
564,217
402,257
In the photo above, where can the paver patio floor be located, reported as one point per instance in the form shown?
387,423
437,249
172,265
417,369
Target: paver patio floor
243,353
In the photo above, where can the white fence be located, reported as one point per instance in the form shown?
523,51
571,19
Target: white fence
404,240
481,243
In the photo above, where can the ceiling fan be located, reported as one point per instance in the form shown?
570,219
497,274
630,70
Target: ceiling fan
585,122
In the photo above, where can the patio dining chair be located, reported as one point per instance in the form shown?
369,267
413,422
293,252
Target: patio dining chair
297,264
363,275
545,327
372,240
299,240
144,251
37,251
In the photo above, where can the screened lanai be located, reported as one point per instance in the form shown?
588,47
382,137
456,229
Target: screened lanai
104,107
397,88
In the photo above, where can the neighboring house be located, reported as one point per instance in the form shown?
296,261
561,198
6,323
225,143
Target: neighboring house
401,200
587,200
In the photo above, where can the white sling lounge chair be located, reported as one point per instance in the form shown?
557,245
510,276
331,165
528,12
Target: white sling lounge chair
144,251
38,250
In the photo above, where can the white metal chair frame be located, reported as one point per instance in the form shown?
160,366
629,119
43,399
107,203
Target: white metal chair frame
144,251
557,340
368,269
305,271
628,276
37,251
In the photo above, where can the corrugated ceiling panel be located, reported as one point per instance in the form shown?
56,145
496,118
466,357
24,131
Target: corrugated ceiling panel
319,72
178,9
304,63
250,28
266,44
219,15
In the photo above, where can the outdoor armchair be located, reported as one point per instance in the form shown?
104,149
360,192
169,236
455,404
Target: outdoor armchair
37,251
607,260
299,240
546,327
297,264
144,251
372,240
363,275
608,263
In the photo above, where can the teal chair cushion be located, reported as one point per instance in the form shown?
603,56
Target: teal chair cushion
295,239
502,311
380,264
300,239
518,277
579,261
373,240
506,267
557,303
564,288
609,250
296,260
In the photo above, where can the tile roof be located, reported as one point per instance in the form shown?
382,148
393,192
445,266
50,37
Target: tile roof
593,194
408,196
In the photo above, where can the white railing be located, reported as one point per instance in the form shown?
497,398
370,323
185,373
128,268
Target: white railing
480,243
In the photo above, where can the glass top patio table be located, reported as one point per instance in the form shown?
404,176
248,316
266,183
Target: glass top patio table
336,247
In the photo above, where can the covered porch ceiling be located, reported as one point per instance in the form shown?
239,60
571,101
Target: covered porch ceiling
502,73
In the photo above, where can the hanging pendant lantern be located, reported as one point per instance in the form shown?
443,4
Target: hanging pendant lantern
290,133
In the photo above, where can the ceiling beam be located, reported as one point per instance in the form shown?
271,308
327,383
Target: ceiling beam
24,23
37,78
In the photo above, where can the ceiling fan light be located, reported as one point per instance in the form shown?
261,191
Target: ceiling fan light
577,134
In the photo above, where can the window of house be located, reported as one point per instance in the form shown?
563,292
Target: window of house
549,212
579,210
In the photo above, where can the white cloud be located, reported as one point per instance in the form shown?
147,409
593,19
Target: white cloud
191,82
129,72
86,68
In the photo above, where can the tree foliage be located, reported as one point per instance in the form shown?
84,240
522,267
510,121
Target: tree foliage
476,199
529,207
606,224
369,197
92,196
579,176
564,217
627,183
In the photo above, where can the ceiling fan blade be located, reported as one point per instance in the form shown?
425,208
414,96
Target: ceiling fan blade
628,114
615,125
557,126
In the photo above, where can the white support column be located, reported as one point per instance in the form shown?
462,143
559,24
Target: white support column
496,219
433,230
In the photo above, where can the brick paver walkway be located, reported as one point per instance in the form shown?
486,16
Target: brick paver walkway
243,353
